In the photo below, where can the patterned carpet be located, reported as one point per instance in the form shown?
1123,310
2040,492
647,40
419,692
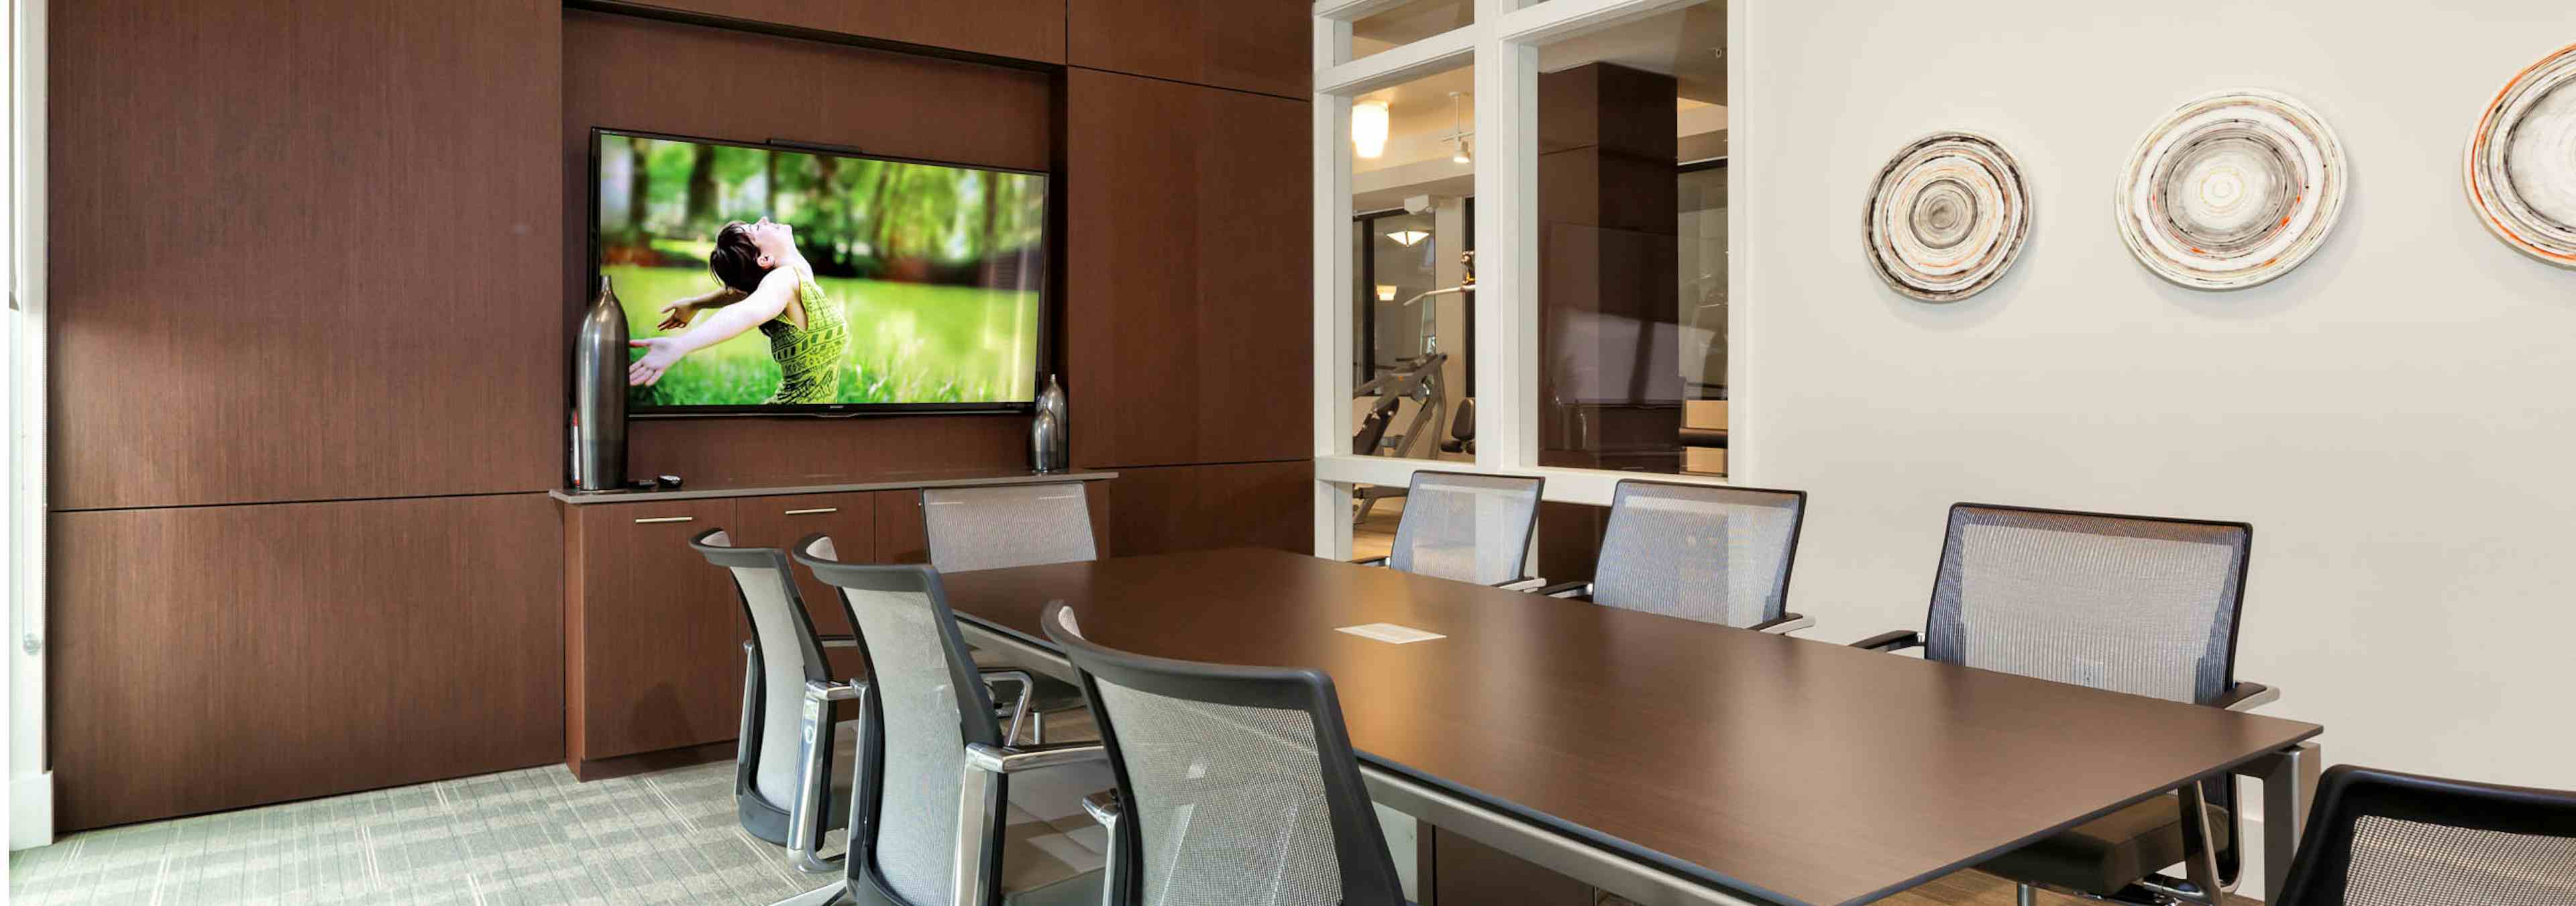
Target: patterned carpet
532,836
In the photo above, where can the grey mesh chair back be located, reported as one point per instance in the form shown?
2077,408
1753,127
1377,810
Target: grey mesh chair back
785,655
2380,838
1003,526
2133,604
924,703
1468,527
1708,553
1239,783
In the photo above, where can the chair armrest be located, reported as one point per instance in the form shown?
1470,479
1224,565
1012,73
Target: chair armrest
1104,808
820,691
1787,623
1370,561
2247,697
1524,583
838,641
1583,586
1012,760
1898,640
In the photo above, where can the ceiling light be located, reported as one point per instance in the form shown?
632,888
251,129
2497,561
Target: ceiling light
1368,128
1385,292
1408,238
1462,156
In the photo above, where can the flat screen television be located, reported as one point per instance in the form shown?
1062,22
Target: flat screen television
776,279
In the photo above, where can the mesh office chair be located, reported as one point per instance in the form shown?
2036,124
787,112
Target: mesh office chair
1236,785
998,527
2133,604
1710,553
1467,527
935,818
1001,526
776,752
2380,838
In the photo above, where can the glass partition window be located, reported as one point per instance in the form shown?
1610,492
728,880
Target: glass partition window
1412,262
1631,222
1407,22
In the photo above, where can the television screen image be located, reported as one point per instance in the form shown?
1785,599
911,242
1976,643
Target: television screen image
771,279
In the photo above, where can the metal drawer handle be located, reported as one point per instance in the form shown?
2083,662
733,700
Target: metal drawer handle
819,509
666,519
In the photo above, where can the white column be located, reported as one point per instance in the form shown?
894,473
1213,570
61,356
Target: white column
31,786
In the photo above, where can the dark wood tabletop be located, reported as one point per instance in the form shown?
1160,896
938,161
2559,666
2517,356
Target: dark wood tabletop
1787,769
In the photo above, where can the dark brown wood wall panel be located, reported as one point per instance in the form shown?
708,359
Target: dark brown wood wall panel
1187,273
623,72
209,658
1248,45
1185,508
304,250
1024,29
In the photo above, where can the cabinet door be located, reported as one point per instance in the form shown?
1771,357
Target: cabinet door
780,522
660,637
901,536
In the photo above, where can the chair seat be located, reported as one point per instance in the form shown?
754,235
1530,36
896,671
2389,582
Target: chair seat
2108,853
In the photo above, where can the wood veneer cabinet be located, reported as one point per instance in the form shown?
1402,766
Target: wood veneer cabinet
652,633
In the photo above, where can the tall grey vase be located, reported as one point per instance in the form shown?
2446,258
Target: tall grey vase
599,394
1050,446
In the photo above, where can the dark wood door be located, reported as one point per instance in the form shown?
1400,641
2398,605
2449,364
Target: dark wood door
781,522
661,631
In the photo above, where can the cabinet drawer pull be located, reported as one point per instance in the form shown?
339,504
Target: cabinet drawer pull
658,519
819,509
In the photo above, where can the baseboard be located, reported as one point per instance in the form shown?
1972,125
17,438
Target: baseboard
31,811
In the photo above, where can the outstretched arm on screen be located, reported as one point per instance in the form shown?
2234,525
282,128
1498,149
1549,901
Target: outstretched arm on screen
663,352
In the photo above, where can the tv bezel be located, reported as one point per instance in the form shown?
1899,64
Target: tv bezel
1045,332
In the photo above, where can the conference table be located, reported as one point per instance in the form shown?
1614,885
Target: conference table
1664,760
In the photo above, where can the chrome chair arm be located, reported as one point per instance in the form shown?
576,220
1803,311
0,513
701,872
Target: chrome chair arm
1105,809
1379,560
813,788
1021,706
1524,583
979,799
1581,588
838,641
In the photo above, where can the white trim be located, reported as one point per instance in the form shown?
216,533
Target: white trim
1352,10
1439,53
1557,20
1330,404
1586,486
31,801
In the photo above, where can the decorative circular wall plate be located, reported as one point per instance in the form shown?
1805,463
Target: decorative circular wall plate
2521,162
1947,216
2232,190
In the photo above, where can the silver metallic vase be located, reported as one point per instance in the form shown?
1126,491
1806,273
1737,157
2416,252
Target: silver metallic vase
1050,448
599,395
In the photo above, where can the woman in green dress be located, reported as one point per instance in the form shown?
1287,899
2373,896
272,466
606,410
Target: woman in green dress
768,284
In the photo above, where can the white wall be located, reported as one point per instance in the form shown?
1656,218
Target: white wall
2397,417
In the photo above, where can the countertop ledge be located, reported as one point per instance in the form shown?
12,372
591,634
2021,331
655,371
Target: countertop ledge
893,481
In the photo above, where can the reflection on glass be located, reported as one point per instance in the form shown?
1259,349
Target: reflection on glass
1406,23
1632,245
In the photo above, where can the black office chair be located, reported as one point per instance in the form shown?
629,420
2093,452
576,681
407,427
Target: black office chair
936,784
1713,553
774,755
1462,429
1466,526
998,527
2133,604
2380,838
1236,785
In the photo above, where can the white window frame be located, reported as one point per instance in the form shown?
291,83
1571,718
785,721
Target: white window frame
1502,43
